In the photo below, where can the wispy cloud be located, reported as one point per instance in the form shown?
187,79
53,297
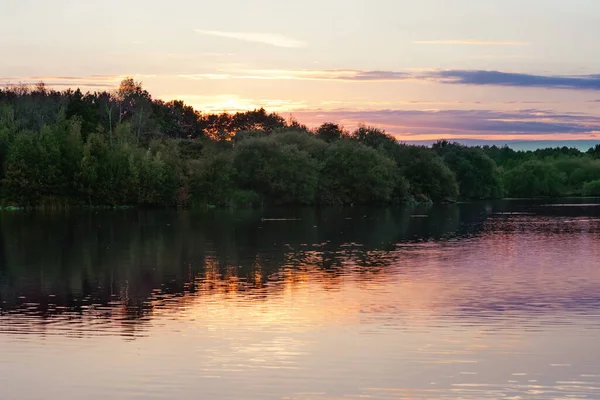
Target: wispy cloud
474,42
91,81
463,77
277,74
589,82
55,84
500,57
335,74
419,124
272,39
497,78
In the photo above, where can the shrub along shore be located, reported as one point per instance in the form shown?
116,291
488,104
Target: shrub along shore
123,147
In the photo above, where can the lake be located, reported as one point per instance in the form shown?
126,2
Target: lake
470,301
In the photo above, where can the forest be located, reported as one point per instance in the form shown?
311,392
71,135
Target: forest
124,148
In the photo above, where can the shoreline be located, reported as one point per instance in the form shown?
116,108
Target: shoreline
13,208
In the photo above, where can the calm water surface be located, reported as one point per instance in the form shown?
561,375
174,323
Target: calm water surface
478,301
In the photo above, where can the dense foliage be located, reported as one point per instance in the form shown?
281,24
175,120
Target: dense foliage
126,148
547,172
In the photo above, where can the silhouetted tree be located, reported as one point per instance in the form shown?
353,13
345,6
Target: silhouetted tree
330,132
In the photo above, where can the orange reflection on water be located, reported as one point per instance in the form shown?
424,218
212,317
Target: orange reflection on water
503,311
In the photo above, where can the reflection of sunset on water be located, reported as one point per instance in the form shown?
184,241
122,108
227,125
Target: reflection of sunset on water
458,300
407,280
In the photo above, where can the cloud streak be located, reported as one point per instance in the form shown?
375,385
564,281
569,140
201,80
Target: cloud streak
415,124
473,42
497,78
461,77
272,39
92,81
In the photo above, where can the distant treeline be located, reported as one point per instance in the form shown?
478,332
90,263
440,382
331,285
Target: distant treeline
125,148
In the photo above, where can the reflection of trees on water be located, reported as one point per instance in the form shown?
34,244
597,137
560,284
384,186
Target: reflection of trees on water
122,265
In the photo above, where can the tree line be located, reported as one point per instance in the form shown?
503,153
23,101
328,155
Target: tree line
123,147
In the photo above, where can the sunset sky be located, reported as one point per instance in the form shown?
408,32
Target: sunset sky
495,69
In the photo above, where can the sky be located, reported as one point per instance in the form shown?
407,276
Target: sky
420,69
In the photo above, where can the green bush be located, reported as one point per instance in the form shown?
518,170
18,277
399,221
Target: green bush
535,179
212,179
476,174
281,174
245,198
592,188
355,173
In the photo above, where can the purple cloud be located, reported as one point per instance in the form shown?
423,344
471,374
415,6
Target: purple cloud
463,123
462,77
497,78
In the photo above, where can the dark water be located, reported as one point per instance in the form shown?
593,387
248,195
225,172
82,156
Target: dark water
478,301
